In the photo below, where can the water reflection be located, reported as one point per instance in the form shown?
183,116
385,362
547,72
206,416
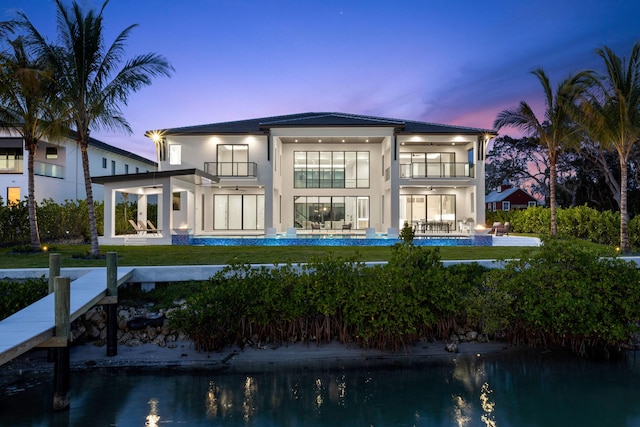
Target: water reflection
466,392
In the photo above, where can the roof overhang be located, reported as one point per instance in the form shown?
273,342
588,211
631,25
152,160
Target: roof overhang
195,176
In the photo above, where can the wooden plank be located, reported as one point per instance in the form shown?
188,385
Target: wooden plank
34,324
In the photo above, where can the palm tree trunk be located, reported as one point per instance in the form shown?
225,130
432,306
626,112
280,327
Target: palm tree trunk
93,229
552,195
624,214
31,201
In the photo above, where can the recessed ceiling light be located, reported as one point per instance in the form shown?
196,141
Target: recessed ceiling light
319,140
366,140
296,140
453,143
343,140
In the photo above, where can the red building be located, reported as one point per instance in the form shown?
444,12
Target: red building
506,197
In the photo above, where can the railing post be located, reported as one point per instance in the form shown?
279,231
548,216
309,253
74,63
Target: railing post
112,306
61,375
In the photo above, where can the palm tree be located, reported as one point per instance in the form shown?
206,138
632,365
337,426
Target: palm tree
557,130
92,80
612,118
26,99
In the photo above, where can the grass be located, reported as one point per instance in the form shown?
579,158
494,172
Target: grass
72,255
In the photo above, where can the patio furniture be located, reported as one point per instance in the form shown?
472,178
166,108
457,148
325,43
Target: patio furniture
315,226
503,230
346,226
152,228
139,230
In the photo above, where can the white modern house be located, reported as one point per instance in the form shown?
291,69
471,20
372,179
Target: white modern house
308,172
58,168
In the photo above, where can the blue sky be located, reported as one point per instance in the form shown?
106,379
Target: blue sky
445,61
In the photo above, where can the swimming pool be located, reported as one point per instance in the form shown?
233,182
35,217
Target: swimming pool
339,240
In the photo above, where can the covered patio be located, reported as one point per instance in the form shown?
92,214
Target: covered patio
165,211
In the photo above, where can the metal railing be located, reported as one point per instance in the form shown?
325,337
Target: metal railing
231,168
437,170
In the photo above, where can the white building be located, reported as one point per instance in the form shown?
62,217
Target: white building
58,168
309,172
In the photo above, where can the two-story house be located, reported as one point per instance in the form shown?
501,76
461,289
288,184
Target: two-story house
58,168
309,171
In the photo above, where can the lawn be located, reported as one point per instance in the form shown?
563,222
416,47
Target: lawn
75,255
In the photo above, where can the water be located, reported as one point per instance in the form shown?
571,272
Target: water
495,390
340,240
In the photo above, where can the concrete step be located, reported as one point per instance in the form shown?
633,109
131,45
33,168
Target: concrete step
515,241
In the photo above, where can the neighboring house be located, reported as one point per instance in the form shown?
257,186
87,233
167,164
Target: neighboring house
309,171
506,197
58,168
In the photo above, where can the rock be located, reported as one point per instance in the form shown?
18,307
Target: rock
138,323
451,347
135,342
124,314
471,335
122,324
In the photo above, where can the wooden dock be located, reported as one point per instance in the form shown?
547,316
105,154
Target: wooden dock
34,325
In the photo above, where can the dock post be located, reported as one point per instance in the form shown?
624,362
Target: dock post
61,376
54,271
112,307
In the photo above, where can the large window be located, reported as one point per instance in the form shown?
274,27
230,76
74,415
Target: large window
419,208
10,160
175,154
331,169
238,212
233,160
331,212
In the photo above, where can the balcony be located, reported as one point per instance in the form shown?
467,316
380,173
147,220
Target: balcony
437,170
231,169
48,169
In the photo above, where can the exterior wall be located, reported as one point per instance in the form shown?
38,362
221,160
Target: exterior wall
274,180
62,178
376,188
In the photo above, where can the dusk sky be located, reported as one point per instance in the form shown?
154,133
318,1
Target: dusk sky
455,62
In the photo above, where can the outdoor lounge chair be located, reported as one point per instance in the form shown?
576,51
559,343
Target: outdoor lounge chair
315,226
503,229
152,228
139,230
346,226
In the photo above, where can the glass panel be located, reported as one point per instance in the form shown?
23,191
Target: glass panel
449,209
350,169
220,210
249,212
241,153
433,208
363,169
350,209
260,212
235,206
300,178
363,212
313,169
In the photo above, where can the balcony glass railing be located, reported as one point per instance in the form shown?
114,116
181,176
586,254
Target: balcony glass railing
48,169
437,170
231,168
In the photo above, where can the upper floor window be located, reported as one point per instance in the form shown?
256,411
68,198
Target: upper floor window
126,168
331,169
51,153
506,206
175,154
113,167
104,163
11,160
233,160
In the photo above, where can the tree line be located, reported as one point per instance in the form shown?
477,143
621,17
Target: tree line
67,88
595,116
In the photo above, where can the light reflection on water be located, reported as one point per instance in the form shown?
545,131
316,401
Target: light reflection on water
465,391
